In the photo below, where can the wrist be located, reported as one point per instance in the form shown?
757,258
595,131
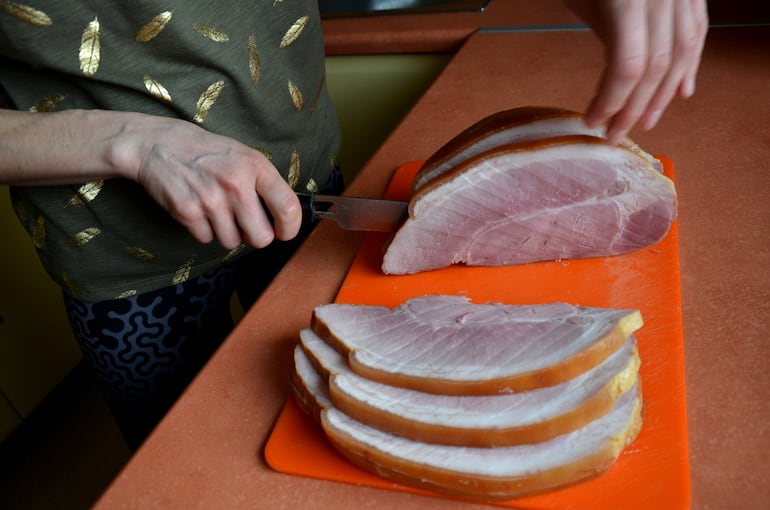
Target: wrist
120,144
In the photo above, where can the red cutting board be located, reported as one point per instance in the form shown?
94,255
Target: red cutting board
653,472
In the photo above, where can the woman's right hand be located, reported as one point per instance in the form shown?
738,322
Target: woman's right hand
212,184
209,183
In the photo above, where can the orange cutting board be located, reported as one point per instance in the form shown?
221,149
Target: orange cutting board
653,472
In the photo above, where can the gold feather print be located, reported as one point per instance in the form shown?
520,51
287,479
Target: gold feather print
255,67
72,286
296,95
312,186
155,26
211,33
232,253
294,31
90,48
85,236
47,104
139,253
86,193
317,95
183,272
294,169
126,294
156,90
38,235
207,100
26,14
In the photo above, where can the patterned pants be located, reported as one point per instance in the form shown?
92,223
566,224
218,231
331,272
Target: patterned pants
144,350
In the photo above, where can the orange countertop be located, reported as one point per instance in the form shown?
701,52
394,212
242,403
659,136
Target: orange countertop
208,451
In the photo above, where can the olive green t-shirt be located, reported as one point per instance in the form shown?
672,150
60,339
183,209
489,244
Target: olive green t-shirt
250,70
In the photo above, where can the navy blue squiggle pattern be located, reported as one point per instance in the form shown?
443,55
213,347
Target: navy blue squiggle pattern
145,349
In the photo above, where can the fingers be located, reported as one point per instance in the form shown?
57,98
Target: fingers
245,219
658,73
654,51
698,16
283,205
626,49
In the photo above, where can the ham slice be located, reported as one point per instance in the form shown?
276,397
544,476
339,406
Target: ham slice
473,472
509,126
448,345
484,421
557,198
489,473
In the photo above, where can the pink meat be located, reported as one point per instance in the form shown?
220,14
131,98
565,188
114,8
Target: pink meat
446,344
488,420
561,198
490,473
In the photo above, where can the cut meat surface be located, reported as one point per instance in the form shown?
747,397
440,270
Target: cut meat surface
448,345
489,473
486,421
560,198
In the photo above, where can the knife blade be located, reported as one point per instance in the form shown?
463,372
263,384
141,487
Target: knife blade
354,213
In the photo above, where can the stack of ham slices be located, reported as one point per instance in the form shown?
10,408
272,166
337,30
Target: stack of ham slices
474,400
527,185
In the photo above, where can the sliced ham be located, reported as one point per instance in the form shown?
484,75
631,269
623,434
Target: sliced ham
558,198
485,421
448,345
489,473
473,472
310,388
515,125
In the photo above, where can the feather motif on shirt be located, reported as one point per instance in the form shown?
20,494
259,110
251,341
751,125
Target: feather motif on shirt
86,193
85,236
294,31
255,67
207,100
230,256
38,235
154,27
211,33
156,90
296,95
293,177
182,273
47,104
26,14
139,253
90,49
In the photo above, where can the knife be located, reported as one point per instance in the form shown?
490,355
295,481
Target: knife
354,213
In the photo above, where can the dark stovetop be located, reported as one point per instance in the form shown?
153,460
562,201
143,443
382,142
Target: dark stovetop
353,8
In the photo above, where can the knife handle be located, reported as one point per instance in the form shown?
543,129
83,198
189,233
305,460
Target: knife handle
308,204
310,208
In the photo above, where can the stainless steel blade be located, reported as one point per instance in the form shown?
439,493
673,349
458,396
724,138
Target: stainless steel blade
355,213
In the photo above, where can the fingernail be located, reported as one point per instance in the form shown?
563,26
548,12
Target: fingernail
688,87
652,119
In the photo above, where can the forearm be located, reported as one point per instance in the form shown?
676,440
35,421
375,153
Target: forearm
211,184
63,147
